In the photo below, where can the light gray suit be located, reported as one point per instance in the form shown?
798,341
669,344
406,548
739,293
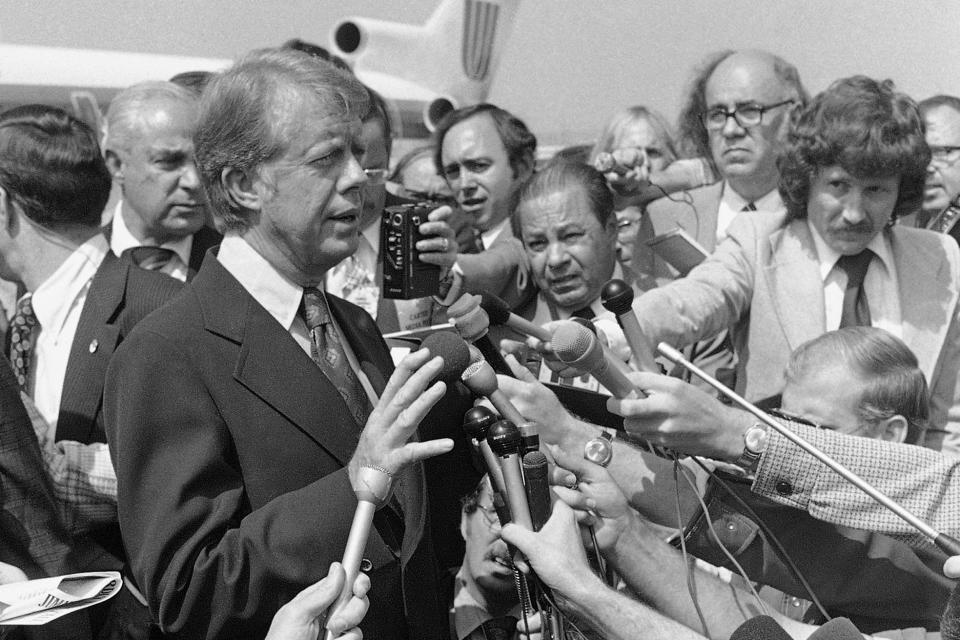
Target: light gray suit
764,283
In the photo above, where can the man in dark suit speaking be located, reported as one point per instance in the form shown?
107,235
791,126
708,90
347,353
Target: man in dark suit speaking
240,415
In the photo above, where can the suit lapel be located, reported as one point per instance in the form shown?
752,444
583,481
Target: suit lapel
93,345
707,204
793,277
925,318
271,365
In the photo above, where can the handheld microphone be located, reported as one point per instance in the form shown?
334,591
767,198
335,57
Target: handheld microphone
537,487
617,297
949,544
473,325
578,347
453,350
608,353
836,629
499,313
529,437
760,628
504,439
372,492
482,381
476,422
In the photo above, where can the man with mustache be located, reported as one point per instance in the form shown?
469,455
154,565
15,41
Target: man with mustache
854,161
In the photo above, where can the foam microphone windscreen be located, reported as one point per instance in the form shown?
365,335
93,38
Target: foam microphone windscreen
453,350
760,628
496,308
836,629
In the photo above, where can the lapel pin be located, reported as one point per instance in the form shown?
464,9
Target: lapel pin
94,346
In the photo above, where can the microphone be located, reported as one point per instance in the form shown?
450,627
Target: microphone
538,488
374,485
617,297
504,439
607,352
453,350
372,492
500,314
482,381
473,325
947,543
836,629
761,628
578,347
476,422
529,437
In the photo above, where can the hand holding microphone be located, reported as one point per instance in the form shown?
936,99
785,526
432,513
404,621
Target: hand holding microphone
617,297
473,324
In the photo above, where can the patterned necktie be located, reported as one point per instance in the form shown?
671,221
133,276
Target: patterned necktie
856,311
327,351
151,258
22,340
587,313
750,206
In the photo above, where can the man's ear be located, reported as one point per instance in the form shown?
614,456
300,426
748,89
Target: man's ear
244,190
892,429
524,168
7,213
114,166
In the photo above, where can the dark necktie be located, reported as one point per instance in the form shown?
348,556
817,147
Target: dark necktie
749,207
22,339
151,258
856,311
327,351
587,313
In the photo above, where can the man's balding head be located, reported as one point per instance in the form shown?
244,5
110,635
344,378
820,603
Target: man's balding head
745,155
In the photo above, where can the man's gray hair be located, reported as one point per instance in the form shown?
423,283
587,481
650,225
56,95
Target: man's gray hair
244,116
130,108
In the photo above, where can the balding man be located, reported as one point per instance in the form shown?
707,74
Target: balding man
941,196
149,151
736,116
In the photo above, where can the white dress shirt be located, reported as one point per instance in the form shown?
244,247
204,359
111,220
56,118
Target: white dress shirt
490,236
279,296
732,204
880,284
121,239
58,303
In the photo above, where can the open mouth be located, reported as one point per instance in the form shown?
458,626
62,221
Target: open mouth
472,203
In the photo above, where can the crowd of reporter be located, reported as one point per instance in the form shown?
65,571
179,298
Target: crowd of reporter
197,394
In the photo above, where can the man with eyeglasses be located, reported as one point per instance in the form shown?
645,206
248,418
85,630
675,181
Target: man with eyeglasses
736,116
941,197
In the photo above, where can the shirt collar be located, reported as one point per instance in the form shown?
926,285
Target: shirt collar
828,257
121,238
54,298
490,235
468,612
769,202
275,293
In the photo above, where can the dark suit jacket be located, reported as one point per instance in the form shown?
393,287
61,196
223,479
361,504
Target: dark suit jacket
120,296
230,447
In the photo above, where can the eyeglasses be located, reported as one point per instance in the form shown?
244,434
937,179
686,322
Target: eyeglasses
489,516
745,115
948,155
376,176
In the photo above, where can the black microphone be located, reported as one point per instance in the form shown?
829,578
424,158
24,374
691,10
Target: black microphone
577,347
482,381
453,350
617,297
473,325
476,422
529,437
538,488
761,628
836,629
499,314
504,439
